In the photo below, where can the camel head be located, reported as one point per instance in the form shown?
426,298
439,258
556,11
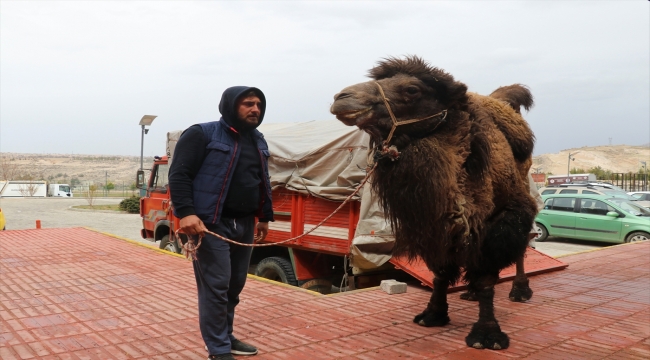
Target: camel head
414,90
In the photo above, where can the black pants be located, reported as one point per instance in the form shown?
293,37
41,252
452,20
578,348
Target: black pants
220,273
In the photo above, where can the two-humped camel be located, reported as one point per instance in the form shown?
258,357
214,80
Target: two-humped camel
452,182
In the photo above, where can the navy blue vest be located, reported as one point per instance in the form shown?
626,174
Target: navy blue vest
212,182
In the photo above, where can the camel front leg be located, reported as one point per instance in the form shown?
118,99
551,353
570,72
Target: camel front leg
436,313
486,332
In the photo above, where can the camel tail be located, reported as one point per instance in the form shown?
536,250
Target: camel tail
516,96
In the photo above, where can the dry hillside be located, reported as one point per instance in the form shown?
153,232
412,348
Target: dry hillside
63,168
56,167
616,158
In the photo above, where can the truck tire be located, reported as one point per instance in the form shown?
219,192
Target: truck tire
165,244
277,269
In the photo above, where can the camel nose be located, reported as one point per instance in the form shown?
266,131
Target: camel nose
341,95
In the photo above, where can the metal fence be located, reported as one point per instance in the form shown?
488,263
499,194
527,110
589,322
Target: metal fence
630,181
121,189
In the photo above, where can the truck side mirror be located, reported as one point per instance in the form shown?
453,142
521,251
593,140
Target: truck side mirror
139,181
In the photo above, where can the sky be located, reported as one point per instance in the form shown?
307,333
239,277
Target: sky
76,77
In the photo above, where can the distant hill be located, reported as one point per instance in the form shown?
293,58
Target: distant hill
617,158
62,168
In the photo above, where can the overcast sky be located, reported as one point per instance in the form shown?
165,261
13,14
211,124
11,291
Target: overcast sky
76,77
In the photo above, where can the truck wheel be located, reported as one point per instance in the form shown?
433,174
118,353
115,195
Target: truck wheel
165,244
277,269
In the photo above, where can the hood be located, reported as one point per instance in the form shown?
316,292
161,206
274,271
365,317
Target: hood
228,103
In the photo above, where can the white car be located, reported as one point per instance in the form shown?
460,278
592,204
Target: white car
641,195
592,190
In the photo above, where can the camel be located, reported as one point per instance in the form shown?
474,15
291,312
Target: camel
450,171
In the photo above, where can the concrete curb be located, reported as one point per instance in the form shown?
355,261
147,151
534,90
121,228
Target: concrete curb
72,208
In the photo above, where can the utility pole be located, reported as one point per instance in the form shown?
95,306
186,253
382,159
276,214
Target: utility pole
568,173
645,176
106,185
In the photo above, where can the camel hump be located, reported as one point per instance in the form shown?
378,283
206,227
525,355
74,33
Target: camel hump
516,95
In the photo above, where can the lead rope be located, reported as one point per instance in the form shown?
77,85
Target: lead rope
190,248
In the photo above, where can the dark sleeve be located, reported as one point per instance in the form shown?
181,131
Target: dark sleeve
188,157
267,206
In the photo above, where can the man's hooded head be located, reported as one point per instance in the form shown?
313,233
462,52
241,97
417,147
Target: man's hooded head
232,99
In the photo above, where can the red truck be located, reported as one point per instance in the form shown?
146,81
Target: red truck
315,261
313,168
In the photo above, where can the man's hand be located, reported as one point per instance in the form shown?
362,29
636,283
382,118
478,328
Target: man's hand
262,231
192,225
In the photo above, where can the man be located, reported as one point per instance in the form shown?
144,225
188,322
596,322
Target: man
219,181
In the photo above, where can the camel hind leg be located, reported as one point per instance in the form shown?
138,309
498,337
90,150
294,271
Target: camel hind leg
520,291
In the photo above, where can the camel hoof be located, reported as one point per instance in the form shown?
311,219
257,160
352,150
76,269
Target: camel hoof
430,319
469,296
487,337
520,292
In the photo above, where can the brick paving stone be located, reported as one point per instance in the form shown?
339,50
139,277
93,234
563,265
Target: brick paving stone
110,301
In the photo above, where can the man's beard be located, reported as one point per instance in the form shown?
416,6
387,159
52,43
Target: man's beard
247,126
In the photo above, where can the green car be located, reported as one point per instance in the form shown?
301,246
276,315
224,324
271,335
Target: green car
593,217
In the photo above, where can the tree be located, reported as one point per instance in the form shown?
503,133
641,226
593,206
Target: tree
91,195
28,189
109,186
8,169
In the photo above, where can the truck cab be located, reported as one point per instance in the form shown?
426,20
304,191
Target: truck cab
59,190
158,221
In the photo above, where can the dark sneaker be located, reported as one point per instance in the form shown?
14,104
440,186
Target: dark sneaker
222,357
241,348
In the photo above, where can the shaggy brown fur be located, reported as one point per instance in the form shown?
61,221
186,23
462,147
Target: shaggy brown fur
458,194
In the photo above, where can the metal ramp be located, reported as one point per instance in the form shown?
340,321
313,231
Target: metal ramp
535,263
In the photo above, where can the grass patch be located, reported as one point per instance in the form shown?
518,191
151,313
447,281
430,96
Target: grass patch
112,207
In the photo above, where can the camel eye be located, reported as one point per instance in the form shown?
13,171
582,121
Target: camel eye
412,90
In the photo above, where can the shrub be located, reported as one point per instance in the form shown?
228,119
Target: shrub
130,205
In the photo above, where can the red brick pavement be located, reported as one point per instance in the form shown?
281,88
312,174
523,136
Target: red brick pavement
79,294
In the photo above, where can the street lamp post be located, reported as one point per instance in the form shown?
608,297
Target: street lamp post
568,165
645,175
106,185
145,121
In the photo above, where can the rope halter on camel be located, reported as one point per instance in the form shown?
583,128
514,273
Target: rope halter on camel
390,151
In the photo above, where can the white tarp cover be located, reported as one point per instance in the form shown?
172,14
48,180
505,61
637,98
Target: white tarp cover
321,158
326,159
